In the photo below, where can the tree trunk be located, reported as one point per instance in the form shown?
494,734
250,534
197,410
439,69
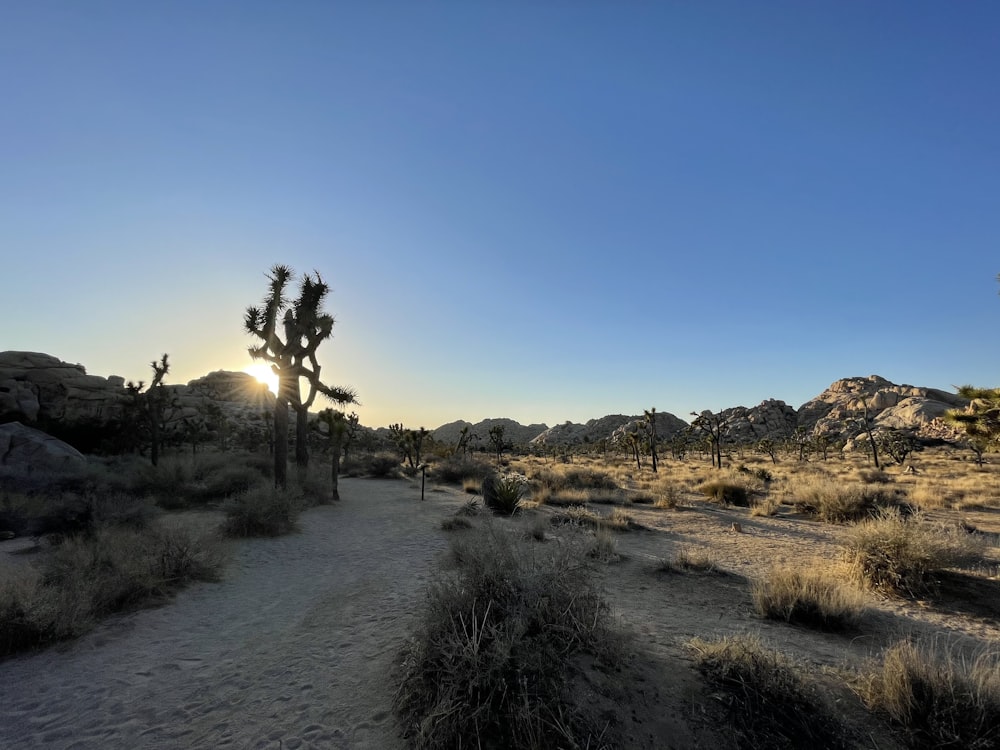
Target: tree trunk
335,467
301,437
280,442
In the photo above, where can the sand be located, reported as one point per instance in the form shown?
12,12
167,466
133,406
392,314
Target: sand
293,649
296,647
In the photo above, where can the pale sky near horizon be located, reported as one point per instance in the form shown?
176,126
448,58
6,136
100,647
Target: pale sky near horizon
546,211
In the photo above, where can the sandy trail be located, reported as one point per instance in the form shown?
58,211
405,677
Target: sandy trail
293,649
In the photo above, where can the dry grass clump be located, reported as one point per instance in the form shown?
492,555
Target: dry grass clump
88,577
724,491
577,478
263,512
809,596
456,523
668,494
605,547
939,699
840,502
765,506
874,476
497,651
688,561
770,705
900,555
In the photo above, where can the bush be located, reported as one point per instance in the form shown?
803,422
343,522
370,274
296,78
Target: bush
939,700
809,597
771,707
89,577
575,479
228,481
494,660
383,466
837,502
457,469
261,512
900,555
502,494
729,493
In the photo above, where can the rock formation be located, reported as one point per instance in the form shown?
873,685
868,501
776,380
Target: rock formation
28,452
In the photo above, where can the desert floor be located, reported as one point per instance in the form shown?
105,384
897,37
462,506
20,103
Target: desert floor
297,646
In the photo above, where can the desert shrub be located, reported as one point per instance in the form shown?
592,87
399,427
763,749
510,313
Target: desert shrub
121,509
874,476
938,699
89,577
810,596
472,486
765,506
619,520
383,466
575,479
502,493
771,706
688,561
353,467
604,547
839,502
494,659
457,469
470,508
900,554
729,493
668,496
261,512
456,523
227,481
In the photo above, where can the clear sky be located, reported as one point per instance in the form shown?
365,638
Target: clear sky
543,210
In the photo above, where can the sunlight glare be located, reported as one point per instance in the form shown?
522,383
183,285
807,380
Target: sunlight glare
263,373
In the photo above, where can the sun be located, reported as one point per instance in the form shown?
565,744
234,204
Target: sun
263,374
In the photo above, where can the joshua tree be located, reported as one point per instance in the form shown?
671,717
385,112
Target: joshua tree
496,440
980,420
650,415
863,418
463,441
898,444
768,446
711,425
337,426
632,442
293,357
150,406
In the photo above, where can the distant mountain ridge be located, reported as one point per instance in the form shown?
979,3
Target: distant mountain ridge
39,389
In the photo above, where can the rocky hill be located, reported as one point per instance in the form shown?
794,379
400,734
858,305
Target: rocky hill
62,399
835,411
514,432
42,391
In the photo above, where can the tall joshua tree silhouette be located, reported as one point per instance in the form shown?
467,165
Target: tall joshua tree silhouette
293,357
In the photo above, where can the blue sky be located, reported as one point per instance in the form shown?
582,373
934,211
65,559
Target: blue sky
539,210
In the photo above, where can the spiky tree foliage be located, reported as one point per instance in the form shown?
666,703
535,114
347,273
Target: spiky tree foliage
980,420
293,356
650,417
337,424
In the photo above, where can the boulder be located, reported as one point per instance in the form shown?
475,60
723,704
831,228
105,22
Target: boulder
25,451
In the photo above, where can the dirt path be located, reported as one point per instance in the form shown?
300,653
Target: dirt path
293,649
